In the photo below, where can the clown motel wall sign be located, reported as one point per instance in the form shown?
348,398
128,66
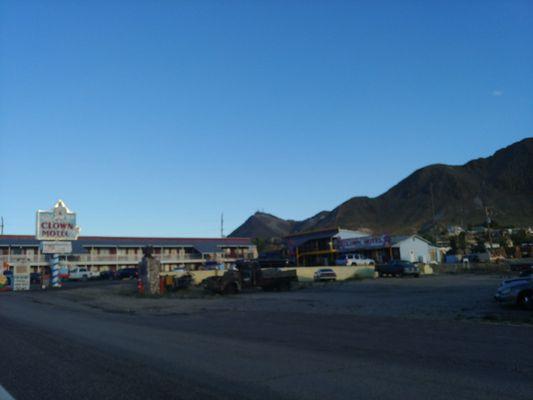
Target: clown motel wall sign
57,224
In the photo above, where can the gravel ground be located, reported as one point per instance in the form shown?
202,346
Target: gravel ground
464,296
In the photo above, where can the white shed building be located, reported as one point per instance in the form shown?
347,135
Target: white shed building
415,249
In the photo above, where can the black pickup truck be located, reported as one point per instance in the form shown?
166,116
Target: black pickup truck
398,268
249,274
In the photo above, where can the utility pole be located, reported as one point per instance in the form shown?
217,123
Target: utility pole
2,226
489,221
222,225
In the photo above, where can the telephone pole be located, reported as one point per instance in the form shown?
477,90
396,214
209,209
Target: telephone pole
222,225
2,226
489,221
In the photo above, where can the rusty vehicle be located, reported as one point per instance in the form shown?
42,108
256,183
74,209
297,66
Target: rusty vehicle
179,278
249,274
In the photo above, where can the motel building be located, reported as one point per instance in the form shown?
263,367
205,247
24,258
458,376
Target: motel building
101,253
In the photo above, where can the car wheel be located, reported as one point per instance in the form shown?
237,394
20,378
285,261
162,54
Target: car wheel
525,300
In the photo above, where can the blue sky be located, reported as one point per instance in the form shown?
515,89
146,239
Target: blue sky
153,117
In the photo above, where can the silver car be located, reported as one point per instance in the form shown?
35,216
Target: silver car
516,291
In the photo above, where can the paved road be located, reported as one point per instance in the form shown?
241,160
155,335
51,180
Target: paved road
55,353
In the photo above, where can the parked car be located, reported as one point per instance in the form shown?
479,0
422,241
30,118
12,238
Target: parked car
325,274
127,273
79,274
517,291
109,275
94,274
398,268
354,259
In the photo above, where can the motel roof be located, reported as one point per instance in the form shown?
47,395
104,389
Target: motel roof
203,245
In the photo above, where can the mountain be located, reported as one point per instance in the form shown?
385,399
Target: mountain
436,195
263,225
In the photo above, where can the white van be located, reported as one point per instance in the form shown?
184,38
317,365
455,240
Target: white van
354,259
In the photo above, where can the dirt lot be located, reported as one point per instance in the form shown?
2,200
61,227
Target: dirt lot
458,297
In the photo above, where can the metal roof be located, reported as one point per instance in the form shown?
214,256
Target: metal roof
300,238
203,245
400,238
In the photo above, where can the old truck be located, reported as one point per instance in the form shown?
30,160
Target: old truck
249,274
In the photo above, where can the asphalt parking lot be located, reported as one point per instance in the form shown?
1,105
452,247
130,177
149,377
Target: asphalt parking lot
436,337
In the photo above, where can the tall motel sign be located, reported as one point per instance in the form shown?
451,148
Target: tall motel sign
56,229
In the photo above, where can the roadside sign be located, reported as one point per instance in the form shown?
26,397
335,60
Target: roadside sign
51,247
21,277
57,224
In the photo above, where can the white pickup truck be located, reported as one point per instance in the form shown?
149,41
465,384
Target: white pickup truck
82,274
354,259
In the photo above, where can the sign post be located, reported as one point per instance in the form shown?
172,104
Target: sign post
56,229
21,274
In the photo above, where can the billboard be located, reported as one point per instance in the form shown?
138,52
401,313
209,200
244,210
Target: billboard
57,224
363,243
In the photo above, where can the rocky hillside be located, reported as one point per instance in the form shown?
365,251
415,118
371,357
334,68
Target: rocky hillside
458,195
